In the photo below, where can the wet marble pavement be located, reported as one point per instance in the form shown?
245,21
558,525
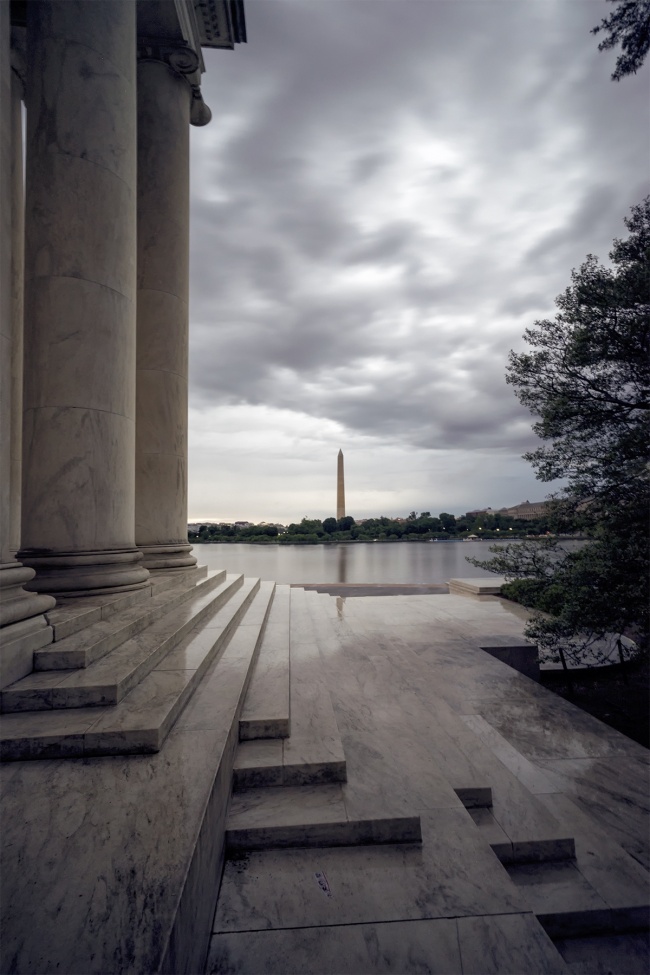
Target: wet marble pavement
423,714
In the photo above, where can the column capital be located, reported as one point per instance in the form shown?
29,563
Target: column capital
184,61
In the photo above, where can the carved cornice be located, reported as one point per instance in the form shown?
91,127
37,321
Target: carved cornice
221,23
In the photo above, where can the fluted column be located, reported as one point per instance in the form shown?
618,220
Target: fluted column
23,628
80,248
164,102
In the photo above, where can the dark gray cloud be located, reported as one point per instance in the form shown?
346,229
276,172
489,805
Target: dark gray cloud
389,193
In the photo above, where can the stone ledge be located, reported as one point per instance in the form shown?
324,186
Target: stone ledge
142,721
266,711
109,679
489,586
84,647
360,832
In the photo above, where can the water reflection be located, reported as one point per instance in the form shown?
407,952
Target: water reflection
340,603
367,562
343,564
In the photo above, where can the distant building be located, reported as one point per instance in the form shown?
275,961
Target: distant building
527,510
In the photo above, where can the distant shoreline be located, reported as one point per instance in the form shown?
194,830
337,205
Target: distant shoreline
391,541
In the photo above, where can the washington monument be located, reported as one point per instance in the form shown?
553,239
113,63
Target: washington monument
340,488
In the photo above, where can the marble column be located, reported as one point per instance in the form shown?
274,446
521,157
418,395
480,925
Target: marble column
80,248
23,627
164,103
17,275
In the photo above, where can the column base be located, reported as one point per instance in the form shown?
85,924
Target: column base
24,628
16,603
19,640
87,573
170,556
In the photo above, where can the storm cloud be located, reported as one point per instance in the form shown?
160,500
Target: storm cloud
390,191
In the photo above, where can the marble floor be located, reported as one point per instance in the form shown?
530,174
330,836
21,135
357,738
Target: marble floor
389,797
546,871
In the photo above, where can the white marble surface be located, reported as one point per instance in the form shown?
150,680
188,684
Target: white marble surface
80,238
109,679
613,793
452,873
313,752
308,815
414,698
620,879
506,943
551,888
315,741
287,806
130,822
607,954
143,717
20,640
107,846
164,101
266,712
496,944
98,638
477,586
413,946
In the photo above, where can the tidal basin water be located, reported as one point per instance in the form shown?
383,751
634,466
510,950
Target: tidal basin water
370,562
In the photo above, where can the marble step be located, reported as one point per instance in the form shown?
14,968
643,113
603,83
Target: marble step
486,774
266,711
478,802
308,816
86,646
262,763
486,586
314,751
530,851
106,681
144,717
71,615
162,579
567,905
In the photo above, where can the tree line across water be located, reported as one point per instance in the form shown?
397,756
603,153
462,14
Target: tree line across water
416,527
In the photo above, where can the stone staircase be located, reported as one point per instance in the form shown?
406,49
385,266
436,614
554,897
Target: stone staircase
240,685
122,669
217,684
290,764
574,886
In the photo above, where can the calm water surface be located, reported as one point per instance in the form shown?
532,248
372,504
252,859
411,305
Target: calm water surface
370,562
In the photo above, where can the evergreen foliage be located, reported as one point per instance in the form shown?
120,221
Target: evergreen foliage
629,26
587,378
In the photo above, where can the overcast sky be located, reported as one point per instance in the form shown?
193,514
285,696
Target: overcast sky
389,192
